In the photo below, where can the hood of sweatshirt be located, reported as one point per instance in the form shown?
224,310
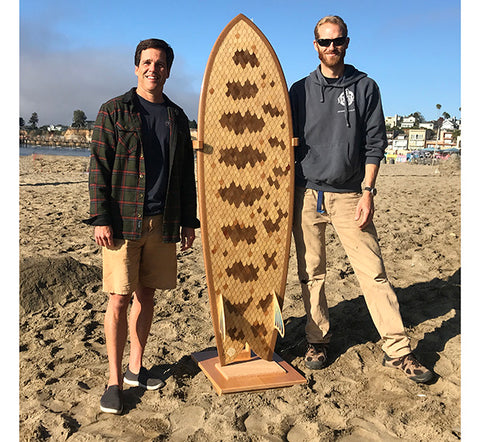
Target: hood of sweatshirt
350,76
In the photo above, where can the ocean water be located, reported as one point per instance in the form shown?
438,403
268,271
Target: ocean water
26,150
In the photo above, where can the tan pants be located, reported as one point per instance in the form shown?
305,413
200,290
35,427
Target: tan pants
365,257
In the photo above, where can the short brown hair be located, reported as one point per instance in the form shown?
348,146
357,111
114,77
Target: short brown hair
336,20
154,43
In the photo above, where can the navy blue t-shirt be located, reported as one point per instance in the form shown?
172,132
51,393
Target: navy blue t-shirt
156,141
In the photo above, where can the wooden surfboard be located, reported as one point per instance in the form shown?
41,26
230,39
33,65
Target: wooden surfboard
246,186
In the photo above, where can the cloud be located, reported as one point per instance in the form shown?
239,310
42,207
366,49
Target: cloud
54,84
57,83
58,76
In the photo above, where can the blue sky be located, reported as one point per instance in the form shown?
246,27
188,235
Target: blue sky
78,54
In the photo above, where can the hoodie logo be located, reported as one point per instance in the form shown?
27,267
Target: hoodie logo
349,96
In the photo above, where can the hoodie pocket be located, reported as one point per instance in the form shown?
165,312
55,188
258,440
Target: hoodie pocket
332,164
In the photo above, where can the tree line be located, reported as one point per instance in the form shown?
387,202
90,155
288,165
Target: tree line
79,120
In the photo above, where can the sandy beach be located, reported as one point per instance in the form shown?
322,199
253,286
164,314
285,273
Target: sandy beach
63,362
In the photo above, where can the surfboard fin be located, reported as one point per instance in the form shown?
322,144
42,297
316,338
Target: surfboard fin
221,318
277,316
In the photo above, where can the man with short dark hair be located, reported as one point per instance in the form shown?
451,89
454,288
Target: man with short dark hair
338,117
142,201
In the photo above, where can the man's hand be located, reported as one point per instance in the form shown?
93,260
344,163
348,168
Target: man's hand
187,237
104,236
365,210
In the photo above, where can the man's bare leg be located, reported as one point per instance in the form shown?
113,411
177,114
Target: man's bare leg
116,335
140,321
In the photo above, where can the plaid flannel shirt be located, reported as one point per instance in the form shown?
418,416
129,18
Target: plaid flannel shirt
117,171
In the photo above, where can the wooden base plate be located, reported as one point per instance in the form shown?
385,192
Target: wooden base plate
250,375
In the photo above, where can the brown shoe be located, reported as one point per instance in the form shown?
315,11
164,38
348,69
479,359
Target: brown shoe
411,367
316,356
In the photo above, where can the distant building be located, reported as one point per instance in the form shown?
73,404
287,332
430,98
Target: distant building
445,141
450,124
428,125
400,142
408,122
56,127
393,121
444,138
416,139
391,134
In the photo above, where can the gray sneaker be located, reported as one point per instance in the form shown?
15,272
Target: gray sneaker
143,379
112,401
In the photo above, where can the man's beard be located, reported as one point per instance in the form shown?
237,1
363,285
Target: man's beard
332,62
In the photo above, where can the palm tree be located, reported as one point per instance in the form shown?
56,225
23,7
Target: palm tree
438,106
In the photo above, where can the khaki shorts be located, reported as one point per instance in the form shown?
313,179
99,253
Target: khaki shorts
148,262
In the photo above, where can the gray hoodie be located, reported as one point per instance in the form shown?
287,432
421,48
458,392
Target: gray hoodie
341,128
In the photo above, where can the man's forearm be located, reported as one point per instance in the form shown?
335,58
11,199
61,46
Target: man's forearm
371,172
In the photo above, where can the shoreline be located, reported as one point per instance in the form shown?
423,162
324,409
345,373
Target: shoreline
25,150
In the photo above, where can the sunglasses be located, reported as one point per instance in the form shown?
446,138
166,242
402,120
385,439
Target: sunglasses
326,42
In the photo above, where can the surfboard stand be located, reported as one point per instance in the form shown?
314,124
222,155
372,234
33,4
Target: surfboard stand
247,373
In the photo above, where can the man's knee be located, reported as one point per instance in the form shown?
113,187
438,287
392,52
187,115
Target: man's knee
144,294
119,303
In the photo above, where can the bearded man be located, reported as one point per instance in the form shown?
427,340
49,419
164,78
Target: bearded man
338,118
